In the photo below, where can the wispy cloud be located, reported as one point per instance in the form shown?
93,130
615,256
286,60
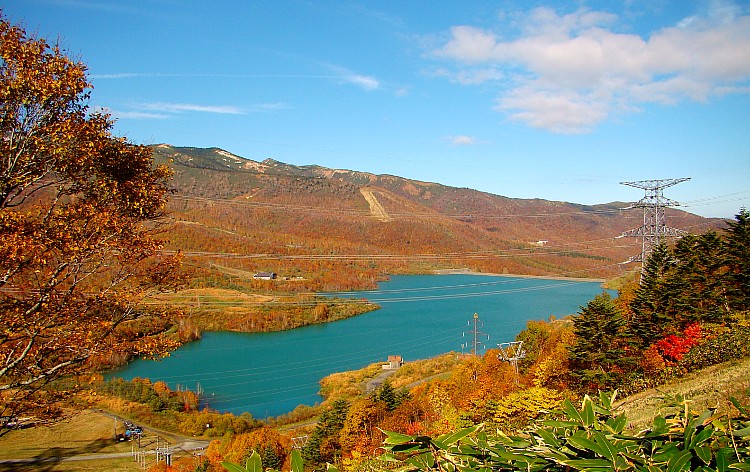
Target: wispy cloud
340,74
343,74
138,115
568,73
190,107
268,107
366,82
164,110
107,6
125,75
461,140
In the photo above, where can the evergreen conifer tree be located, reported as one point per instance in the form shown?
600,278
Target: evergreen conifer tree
387,395
700,271
598,356
324,444
654,299
737,260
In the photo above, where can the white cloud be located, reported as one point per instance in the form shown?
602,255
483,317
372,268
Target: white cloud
189,107
569,73
125,75
559,111
462,140
268,107
366,82
345,75
137,115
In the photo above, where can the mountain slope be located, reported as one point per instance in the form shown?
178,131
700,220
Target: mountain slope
339,229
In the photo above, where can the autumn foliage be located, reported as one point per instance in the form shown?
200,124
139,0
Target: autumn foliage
78,217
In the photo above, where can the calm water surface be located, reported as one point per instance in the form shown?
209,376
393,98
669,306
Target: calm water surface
268,374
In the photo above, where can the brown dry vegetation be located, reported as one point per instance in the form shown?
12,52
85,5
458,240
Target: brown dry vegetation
315,228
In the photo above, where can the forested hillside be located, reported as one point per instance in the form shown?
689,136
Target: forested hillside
485,415
339,229
319,229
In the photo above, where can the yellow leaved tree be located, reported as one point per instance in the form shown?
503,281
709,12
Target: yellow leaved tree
79,214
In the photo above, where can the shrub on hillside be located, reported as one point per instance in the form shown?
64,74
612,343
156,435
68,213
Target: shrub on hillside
521,407
723,346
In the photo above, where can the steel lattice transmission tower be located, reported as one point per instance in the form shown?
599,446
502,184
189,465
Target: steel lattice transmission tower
654,227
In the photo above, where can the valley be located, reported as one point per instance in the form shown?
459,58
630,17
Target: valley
328,230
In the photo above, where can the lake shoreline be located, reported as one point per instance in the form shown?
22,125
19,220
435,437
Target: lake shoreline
467,271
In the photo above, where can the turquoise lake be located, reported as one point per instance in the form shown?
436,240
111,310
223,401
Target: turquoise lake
268,374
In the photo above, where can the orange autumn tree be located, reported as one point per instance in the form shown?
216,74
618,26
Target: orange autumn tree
79,212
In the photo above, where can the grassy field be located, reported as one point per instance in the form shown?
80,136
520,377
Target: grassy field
707,388
83,442
84,433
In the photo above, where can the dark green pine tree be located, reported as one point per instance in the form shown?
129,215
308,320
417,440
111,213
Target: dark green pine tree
737,261
656,298
324,445
699,276
387,395
598,358
270,459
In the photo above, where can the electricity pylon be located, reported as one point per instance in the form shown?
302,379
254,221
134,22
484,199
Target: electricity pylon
476,333
654,227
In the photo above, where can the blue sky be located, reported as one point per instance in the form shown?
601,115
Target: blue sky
559,100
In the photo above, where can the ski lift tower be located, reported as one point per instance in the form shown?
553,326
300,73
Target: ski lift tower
512,352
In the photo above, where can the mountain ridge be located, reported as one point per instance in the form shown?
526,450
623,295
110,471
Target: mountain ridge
385,223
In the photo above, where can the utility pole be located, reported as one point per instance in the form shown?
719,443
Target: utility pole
476,333
654,227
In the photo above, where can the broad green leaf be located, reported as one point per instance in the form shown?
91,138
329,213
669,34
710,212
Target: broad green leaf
609,449
453,438
397,438
740,466
659,428
439,444
617,424
688,434
585,444
232,467
678,461
587,413
744,409
741,433
560,424
571,411
703,453
722,459
583,464
331,468
548,438
702,436
512,457
298,464
254,463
